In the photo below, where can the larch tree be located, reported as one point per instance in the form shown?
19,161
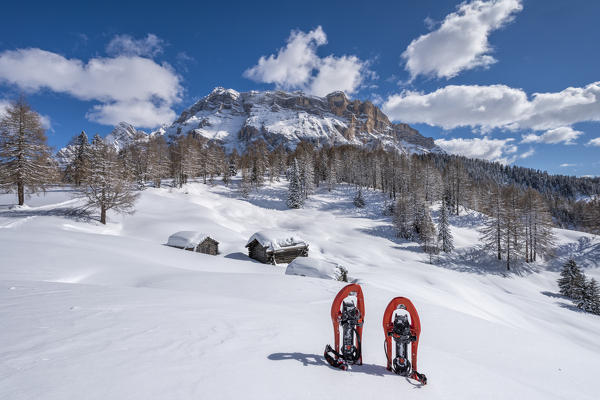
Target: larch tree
106,187
24,155
491,233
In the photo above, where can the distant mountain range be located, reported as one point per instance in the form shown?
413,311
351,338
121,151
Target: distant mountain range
236,120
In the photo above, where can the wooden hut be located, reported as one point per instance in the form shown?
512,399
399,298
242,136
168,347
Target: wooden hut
194,241
272,247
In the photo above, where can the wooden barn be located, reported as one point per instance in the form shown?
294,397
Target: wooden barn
273,247
194,241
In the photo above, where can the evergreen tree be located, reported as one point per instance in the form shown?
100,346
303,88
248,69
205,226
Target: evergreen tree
295,197
590,297
359,200
24,155
106,188
571,281
78,168
426,232
404,216
445,238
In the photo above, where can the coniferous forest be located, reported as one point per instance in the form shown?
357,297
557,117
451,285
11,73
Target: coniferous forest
521,204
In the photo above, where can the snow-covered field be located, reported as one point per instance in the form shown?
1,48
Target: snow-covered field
109,312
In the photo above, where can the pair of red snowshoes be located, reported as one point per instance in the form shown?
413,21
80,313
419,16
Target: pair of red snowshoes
349,313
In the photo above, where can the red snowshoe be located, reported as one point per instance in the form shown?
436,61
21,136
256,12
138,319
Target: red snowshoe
402,331
349,315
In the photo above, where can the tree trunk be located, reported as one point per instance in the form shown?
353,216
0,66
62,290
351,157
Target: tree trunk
103,215
21,193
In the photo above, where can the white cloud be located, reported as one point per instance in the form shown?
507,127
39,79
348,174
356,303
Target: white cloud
131,82
567,165
461,41
528,153
149,46
594,142
3,105
501,150
297,66
563,134
497,106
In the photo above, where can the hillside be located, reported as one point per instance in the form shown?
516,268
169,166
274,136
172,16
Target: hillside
101,312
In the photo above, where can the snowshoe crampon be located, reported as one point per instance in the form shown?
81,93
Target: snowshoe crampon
402,331
347,312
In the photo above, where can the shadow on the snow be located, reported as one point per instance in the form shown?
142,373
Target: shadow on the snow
585,252
241,256
74,213
318,360
478,260
269,197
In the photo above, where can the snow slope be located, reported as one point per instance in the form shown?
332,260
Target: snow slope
111,312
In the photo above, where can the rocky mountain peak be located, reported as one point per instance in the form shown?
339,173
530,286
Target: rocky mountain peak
236,119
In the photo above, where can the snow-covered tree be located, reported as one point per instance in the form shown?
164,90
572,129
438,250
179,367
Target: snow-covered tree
404,216
445,238
426,232
359,200
25,162
158,160
106,188
77,169
590,297
295,197
571,281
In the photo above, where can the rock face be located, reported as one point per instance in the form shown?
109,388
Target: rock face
125,134
282,118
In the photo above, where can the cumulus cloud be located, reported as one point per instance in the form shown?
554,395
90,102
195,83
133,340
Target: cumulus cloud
563,134
461,41
567,165
297,66
499,106
142,88
594,142
500,150
127,45
3,105
528,153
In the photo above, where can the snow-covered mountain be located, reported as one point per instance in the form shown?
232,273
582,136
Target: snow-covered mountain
281,118
125,134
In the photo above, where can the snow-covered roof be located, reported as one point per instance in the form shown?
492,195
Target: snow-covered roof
276,240
187,239
306,266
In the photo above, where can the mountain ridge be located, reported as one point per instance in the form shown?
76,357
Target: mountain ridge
236,119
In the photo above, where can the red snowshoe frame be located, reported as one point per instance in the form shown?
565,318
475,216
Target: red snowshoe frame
333,356
415,330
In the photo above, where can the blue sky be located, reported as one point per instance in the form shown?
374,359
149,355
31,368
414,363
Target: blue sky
466,74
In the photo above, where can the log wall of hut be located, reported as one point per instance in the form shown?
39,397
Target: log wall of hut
287,256
260,253
209,246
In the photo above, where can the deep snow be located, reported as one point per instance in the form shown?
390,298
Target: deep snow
111,312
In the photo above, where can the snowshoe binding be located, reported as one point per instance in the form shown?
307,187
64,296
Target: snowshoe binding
349,315
398,328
